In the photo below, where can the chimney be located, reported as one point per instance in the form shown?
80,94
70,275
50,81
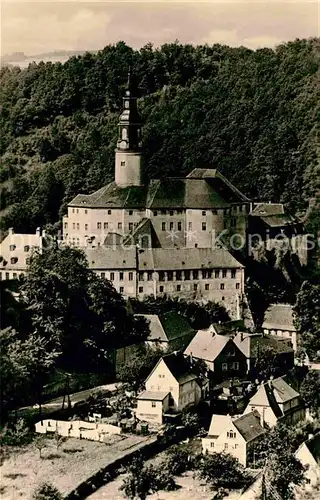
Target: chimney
262,418
38,231
11,231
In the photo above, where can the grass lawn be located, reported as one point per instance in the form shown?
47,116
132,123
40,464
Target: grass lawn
22,469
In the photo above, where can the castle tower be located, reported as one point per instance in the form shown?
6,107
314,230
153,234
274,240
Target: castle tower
128,151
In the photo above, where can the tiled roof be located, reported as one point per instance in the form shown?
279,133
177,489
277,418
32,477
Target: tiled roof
249,426
279,317
265,397
145,228
313,444
206,346
186,258
268,209
153,395
179,366
167,327
199,190
252,344
102,257
112,196
277,220
283,391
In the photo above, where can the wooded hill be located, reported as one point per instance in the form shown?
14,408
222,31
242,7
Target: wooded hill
254,115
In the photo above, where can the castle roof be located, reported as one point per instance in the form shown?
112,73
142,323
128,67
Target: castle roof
201,189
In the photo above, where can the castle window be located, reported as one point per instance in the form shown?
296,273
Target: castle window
217,273
204,212
150,276
178,275
161,289
163,212
204,226
109,212
179,226
111,276
178,288
222,286
26,248
103,275
233,273
130,212
190,226
119,225
195,287
214,212
187,275
105,225
121,276
98,225
130,276
171,212
140,289
141,276
195,274
130,226
155,213
206,286
170,275
209,274
224,273
121,289
222,298
161,276
237,286
171,226
163,226
123,164
74,225
86,211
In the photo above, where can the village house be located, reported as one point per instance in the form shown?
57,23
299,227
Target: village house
236,436
170,387
254,345
309,455
170,331
15,252
276,401
219,352
278,320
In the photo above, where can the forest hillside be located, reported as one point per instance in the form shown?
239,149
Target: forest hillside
254,115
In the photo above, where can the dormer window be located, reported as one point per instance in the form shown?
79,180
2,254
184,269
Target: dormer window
231,434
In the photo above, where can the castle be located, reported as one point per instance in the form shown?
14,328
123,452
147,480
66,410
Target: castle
157,237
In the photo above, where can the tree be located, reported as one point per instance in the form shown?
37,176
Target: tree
310,392
134,372
40,444
284,472
137,483
15,434
222,470
59,439
78,312
46,491
267,362
307,318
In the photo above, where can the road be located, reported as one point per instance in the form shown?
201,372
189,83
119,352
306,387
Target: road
75,397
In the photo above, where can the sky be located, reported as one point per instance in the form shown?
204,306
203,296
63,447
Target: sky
43,26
